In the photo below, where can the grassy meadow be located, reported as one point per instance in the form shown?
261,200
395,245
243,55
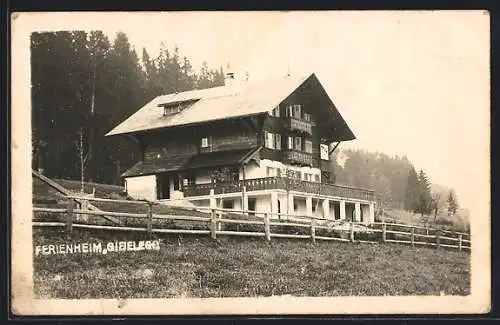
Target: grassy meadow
196,266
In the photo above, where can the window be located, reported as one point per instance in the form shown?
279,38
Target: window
278,172
298,144
276,111
323,149
316,178
278,141
169,110
228,204
269,172
297,111
308,147
307,116
289,111
205,143
269,140
190,178
290,143
298,175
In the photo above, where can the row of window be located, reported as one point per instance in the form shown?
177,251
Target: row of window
273,141
276,172
292,111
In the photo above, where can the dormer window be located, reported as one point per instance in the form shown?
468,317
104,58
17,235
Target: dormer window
170,110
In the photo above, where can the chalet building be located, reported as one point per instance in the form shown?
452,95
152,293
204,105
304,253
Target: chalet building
257,146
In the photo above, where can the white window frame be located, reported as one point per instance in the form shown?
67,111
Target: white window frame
297,108
323,152
269,171
297,144
307,116
277,140
289,110
276,111
269,140
290,143
205,142
308,146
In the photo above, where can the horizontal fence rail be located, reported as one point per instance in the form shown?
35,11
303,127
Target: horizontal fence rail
232,222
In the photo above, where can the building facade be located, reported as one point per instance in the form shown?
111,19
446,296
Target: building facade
261,146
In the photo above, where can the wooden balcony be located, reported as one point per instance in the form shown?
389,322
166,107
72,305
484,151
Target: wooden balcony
298,157
281,183
300,125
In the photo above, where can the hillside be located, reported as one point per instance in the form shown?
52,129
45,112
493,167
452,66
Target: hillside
192,266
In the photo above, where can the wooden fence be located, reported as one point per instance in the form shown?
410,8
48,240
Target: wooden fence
251,223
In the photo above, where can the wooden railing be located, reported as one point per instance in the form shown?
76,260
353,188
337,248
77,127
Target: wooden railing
298,157
299,125
266,225
281,183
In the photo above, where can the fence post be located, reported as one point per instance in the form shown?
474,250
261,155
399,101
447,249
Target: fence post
313,230
438,239
384,233
267,227
213,224
69,218
412,237
460,242
427,228
150,219
351,235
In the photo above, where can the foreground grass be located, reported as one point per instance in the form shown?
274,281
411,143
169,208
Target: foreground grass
195,266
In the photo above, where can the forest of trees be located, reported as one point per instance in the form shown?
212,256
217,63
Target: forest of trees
83,84
396,183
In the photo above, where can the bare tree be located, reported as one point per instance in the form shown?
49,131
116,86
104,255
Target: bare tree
291,182
83,156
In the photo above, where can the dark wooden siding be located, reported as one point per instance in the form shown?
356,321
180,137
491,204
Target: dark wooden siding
229,135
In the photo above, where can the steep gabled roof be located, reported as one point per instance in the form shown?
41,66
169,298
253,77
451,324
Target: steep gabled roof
238,100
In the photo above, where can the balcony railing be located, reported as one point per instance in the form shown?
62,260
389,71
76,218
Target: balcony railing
281,183
299,125
298,157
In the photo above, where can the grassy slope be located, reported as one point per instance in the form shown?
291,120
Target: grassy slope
192,266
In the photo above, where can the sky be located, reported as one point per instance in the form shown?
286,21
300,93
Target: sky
412,83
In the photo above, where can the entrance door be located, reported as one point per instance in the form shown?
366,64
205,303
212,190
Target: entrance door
163,186
251,205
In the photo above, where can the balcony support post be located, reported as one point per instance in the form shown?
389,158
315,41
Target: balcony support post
274,204
371,216
357,212
342,210
290,202
309,211
244,203
326,209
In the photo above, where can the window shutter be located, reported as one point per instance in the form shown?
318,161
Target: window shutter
290,143
278,141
